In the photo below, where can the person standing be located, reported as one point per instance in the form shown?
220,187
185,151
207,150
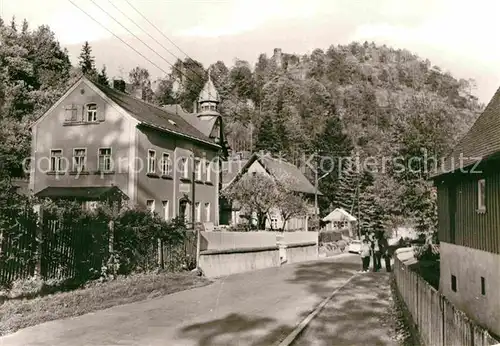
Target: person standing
385,250
365,254
377,254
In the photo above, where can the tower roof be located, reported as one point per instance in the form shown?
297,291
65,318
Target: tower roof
209,93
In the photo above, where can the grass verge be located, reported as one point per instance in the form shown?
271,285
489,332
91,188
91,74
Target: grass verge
17,314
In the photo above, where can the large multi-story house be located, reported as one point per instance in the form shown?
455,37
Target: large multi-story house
468,189
279,170
96,142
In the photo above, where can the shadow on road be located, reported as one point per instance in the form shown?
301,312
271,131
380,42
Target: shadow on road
235,329
319,276
353,317
357,315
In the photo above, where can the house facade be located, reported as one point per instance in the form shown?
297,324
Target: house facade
468,189
278,169
96,137
340,220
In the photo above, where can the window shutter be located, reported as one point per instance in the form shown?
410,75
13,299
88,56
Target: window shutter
68,112
81,112
100,112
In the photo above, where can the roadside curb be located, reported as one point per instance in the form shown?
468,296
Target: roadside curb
296,332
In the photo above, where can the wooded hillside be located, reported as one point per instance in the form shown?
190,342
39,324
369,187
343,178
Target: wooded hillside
359,100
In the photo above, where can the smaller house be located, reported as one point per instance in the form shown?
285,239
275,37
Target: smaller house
278,169
339,220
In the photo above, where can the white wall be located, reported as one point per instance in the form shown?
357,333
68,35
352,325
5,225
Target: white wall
469,265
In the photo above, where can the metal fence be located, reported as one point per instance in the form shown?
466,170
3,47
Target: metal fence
436,320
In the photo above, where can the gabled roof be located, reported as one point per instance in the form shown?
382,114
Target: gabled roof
339,214
230,170
279,169
157,117
480,142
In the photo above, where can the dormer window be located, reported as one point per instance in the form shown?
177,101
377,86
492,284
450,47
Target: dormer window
91,112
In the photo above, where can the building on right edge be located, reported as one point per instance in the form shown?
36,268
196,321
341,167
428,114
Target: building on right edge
468,189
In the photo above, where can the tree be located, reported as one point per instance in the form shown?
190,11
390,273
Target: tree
139,78
86,61
35,73
191,76
267,136
102,77
164,93
256,193
288,203
333,148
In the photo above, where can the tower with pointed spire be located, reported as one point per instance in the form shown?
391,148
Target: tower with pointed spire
208,100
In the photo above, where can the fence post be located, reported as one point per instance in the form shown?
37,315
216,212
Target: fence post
39,240
198,243
111,238
161,263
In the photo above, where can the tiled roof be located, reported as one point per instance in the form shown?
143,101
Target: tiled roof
277,168
205,126
480,142
154,116
230,169
284,170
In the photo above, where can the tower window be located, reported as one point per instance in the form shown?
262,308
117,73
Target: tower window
453,283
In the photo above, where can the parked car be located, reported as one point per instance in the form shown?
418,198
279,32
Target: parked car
355,246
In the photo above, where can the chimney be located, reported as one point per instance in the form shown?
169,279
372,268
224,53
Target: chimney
195,106
119,84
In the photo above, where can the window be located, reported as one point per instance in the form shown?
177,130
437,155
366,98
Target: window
209,171
166,213
166,164
483,286
207,212
150,205
151,161
56,164
79,159
274,223
453,283
185,171
481,195
104,160
91,112
186,211
89,205
197,169
197,209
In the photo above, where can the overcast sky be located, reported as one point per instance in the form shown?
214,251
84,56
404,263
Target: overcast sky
459,36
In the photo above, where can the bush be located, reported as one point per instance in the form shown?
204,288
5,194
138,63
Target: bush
427,252
136,235
329,236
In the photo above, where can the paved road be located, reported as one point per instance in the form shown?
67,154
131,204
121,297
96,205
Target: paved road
358,314
256,308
